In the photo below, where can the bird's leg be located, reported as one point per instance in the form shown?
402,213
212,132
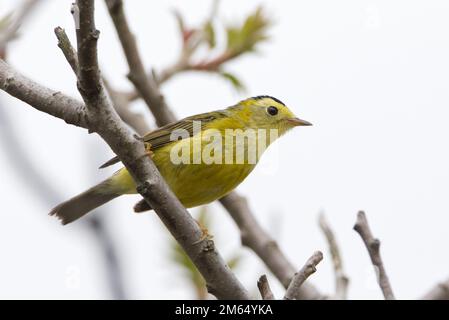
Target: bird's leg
142,205
204,233
148,149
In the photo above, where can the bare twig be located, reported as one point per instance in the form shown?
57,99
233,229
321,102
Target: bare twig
119,100
293,291
41,98
145,85
373,245
341,280
439,292
264,288
67,49
256,238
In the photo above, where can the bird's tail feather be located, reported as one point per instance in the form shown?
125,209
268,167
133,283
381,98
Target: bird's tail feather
83,203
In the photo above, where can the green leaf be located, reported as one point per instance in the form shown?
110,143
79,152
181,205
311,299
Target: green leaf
5,21
209,34
244,38
235,82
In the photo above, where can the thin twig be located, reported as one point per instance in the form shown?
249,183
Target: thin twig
67,49
144,84
264,288
119,101
373,246
293,291
341,280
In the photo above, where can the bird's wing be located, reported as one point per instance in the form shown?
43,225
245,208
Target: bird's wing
161,136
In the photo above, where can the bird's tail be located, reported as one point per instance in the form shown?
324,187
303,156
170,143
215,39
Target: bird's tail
81,204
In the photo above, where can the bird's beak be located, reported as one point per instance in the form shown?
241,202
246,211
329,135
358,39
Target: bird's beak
298,122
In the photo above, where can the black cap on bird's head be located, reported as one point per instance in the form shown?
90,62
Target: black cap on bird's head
268,97
265,109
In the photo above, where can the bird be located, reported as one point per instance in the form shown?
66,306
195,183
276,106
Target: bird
201,157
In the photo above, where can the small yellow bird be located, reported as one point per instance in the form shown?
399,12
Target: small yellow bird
202,158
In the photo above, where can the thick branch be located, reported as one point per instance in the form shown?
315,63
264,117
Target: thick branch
373,246
264,288
89,78
257,239
145,85
341,280
293,291
41,98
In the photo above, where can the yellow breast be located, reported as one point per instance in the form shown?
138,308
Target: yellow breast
199,183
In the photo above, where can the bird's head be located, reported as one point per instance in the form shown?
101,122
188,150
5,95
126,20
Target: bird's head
265,112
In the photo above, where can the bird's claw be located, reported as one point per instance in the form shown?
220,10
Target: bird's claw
205,235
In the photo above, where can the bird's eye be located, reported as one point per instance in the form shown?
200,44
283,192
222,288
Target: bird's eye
272,110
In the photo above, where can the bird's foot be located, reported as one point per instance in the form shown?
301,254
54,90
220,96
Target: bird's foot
148,149
205,235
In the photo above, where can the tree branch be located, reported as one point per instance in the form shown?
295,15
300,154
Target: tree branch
145,85
293,291
119,101
373,246
41,98
264,288
67,49
341,280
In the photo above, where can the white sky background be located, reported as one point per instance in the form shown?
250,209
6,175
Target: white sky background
373,78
